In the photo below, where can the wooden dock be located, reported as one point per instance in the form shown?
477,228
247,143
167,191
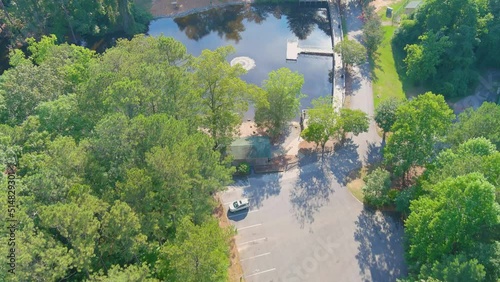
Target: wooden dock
293,50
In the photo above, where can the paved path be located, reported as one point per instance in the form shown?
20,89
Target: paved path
360,90
303,225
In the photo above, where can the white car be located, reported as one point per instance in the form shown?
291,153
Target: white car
239,205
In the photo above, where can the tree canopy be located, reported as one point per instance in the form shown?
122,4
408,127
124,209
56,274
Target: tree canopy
445,42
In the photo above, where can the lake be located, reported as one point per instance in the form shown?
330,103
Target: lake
260,32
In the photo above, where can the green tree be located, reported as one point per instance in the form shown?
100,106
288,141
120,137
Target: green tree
454,268
422,59
198,253
316,133
440,41
452,219
25,86
352,52
69,17
224,95
377,187
77,224
372,30
483,122
120,238
153,79
281,102
52,173
354,121
420,123
130,273
322,123
385,114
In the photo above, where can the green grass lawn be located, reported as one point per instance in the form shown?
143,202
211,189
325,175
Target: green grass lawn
386,81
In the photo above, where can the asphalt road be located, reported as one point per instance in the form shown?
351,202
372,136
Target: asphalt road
359,88
303,225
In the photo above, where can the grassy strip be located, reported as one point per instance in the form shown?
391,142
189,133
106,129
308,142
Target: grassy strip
386,81
344,26
355,187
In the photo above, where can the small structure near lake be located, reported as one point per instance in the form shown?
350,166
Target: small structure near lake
255,150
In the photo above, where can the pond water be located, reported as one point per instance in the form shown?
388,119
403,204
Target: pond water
260,32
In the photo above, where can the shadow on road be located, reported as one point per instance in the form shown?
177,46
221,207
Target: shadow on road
311,192
353,82
345,161
380,252
374,154
263,186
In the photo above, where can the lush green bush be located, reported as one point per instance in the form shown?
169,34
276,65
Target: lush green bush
243,169
377,187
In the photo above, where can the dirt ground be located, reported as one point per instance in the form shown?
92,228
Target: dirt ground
380,4
235,271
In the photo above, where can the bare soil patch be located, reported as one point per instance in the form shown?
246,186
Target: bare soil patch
235,271
381,4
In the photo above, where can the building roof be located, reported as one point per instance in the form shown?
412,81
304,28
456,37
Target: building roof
413,4
253,147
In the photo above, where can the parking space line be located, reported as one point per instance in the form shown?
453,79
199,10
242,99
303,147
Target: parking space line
269,270
246,227
248,242
257,256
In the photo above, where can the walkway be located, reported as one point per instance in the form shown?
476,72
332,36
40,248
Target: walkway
293,50
338,68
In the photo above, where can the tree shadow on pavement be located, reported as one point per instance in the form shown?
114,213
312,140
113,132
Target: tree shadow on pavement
262,187
380,252
374,154
345,161
311,192
353,82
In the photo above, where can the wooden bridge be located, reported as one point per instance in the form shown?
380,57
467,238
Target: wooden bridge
293,50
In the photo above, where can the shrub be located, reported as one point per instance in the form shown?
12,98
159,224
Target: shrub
377,187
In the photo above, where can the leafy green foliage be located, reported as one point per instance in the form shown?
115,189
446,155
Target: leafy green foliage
25,18
442,41
113,155
456,214
198,253
131,273
281,102
323,122
483,122
352,52
372,29
454,268
423,58
354,121
377,187
224,95
385,114
420,123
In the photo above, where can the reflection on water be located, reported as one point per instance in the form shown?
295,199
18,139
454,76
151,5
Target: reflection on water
260,32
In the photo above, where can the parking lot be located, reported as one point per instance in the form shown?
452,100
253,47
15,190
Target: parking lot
303,226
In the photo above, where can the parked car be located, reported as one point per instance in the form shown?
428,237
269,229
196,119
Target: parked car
239,205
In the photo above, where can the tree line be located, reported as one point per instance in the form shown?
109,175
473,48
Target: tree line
445,43
69,20
443,176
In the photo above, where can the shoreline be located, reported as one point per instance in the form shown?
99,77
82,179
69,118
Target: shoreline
200,9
